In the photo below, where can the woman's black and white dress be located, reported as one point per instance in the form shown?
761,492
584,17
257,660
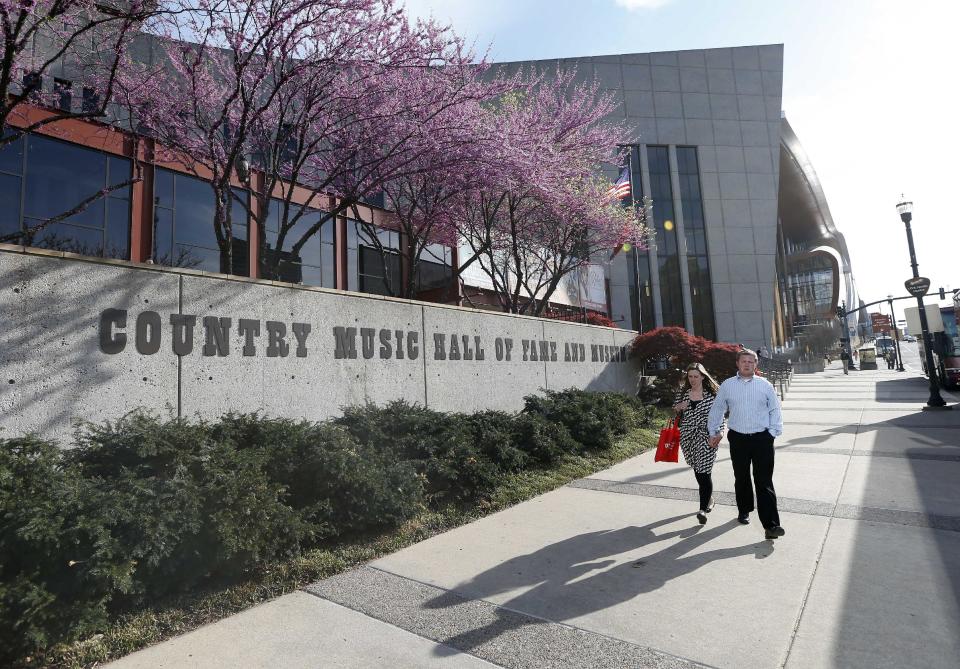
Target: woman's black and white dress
694,433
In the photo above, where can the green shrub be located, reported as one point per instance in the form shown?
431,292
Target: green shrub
494,433
188,507
439,446
594,420
542,439
60,564
338,484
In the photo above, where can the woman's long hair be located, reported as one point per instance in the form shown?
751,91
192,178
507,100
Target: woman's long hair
708,381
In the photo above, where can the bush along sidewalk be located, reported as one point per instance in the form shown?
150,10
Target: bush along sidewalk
148,527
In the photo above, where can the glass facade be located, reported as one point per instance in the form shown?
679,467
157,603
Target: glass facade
314,264
698,263
184,234
638,261
41,178
808,291
668,255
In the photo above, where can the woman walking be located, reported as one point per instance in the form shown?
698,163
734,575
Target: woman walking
693,403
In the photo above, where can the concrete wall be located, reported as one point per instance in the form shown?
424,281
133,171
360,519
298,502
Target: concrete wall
92,340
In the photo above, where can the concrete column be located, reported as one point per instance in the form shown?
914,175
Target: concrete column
652,251
681,240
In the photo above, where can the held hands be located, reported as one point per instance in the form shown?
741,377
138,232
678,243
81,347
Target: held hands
714,441
681,406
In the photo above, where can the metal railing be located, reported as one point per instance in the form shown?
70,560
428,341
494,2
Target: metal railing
779,373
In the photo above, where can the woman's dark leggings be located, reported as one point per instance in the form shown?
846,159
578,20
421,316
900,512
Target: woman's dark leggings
706,489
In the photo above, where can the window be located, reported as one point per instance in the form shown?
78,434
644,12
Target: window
63,89
32,83
434,267
638,262
41,178
184,233
91,100
668,255
313,265
368,270
698,262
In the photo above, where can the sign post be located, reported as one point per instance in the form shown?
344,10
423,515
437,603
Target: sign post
917,286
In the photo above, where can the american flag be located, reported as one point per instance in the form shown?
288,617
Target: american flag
621,188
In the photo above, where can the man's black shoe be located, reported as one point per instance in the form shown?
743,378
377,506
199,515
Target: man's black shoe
775,532
744,519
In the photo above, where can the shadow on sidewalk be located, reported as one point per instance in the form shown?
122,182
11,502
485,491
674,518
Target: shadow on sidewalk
571,578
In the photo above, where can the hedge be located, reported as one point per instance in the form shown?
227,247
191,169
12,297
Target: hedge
146,507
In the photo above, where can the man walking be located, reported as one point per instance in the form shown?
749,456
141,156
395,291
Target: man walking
845,359
755,421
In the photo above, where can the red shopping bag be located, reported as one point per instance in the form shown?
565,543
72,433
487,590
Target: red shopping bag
668,448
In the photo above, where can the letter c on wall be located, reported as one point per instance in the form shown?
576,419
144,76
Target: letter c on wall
112,343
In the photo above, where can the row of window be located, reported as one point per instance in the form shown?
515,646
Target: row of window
42,178
694,230
668,253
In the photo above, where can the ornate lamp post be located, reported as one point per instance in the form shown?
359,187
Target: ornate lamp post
896,333
905,209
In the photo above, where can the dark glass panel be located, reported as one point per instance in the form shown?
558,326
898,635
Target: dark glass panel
11,157
163,237
194,213
119,172
327,273
163,188
326,232
60,176
118,229
312,276
432,275
91,99
241,258
71,238
9,204
196,257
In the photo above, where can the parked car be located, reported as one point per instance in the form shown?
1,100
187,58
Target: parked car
909,338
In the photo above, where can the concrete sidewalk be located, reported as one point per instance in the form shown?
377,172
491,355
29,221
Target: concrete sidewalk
614,570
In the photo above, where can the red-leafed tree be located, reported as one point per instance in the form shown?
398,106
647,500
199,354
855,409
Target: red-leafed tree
678,348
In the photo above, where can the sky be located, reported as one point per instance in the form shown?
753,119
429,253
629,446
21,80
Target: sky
866,88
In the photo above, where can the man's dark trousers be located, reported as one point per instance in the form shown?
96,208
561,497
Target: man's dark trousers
756,449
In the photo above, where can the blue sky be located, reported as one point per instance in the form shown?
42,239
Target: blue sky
870,87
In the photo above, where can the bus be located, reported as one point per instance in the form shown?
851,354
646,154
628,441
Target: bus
946,347
884,344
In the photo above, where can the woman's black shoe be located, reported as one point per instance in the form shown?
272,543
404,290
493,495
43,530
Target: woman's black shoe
702,516
744,519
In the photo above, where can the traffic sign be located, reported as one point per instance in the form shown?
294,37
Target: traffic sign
917,286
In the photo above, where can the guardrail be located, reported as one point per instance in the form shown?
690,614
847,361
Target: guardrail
779,373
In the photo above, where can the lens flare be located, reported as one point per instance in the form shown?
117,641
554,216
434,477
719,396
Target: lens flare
668,225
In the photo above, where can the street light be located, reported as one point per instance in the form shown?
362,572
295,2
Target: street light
896,333
905,209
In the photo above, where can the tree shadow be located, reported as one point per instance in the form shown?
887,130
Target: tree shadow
573,577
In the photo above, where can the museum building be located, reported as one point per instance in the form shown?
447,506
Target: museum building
745,248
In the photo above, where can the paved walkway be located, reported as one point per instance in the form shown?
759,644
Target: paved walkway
614,571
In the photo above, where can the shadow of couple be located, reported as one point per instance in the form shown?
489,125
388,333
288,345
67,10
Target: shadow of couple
582,575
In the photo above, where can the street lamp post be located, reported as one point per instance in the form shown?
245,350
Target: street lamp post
896,333
905,209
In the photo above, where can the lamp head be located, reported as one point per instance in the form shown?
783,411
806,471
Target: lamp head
905,209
